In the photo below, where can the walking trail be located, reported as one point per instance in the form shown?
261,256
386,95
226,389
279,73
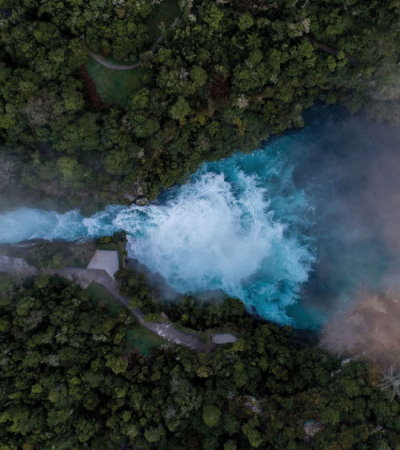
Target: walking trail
84,277
115,66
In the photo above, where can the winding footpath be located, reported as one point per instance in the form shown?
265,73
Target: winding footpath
104,62
84,277
167,331
110,65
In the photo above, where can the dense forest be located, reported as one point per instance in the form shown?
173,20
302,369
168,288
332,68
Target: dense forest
210,78
107,101
69,379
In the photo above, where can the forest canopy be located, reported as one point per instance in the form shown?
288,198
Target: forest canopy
112,101
69,379
212,78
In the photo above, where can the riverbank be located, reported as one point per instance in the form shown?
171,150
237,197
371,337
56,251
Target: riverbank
100,271
264,226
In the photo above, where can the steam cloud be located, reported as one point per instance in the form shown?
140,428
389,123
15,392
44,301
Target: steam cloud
357,277
369,330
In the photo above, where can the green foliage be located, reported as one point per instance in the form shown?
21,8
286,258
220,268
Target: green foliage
6,280
228,75
70,360
180,109
101,296
223,78
143,340
211,415
115,242
246,21
116,87
54,254
162,17
230,445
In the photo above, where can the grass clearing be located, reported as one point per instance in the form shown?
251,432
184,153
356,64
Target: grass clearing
143,339
116,87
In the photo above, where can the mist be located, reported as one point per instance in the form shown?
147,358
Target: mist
355,283
368,330
297,229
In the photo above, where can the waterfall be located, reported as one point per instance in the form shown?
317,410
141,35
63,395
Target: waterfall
293,228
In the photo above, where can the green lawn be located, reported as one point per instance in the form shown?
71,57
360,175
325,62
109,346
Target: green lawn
143,339
116,87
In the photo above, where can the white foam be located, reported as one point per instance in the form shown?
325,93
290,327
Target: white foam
215,235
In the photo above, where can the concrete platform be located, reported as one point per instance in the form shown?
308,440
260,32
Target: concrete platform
105,260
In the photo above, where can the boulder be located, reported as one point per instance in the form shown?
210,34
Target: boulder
143,201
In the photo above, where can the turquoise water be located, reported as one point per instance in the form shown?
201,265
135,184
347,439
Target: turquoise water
277,228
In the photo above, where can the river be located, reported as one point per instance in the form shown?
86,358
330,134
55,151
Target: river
294,229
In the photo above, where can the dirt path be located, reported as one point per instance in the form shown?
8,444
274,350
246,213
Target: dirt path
110,65
104,62
84,277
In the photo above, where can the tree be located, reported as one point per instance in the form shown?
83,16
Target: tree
65,354
211,415
180,109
